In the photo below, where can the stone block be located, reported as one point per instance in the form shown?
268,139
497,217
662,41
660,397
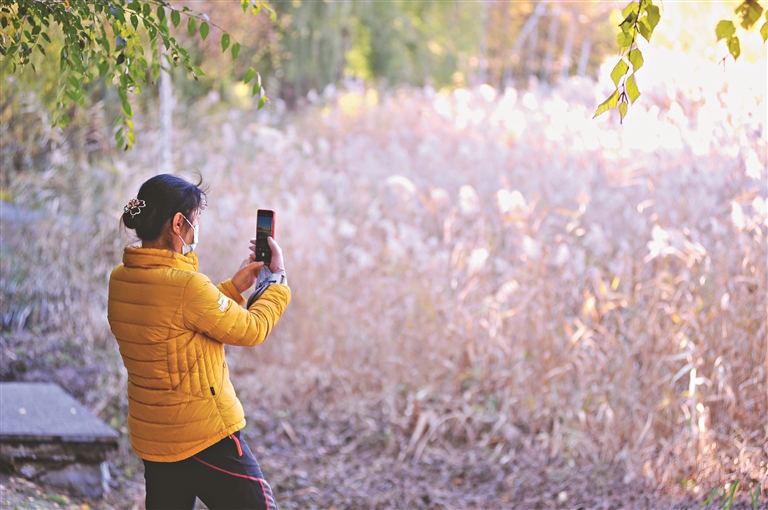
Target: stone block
48,436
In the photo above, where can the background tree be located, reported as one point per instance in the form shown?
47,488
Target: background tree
112,41
76,49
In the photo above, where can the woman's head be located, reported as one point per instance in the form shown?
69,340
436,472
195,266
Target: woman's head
158,202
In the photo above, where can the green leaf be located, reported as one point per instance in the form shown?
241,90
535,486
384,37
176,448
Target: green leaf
103,68
191,25
725,29
630,86
146,9
631,8
127,109
44,36
609,103
628,22
642,27
161,13
636,59
764,31
734,47
249,74
204,29
175,17
750,12
262,102
134,21
619,70
625,40
654,16
119,135
235,51
224,42
623,107
256,89
198,71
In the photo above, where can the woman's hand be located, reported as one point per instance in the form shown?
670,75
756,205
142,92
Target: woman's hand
246,276
276,265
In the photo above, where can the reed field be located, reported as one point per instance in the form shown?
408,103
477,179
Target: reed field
471,270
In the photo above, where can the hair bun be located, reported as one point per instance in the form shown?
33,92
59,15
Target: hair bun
131,221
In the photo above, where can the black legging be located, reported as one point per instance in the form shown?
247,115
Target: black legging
224,476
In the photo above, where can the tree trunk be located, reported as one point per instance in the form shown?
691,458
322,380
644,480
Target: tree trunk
586,46
549,58
483,60
166,114
528,28
565,62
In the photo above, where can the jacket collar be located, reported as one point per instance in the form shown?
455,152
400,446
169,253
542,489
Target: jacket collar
146,258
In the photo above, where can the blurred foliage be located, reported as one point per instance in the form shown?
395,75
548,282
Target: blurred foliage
436,43
99,42
306,45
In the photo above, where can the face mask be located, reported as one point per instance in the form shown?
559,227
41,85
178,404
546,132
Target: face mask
190,247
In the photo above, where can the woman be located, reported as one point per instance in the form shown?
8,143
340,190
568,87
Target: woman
171,324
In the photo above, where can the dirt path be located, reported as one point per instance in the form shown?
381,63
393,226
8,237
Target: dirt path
308,470
359,474
335,464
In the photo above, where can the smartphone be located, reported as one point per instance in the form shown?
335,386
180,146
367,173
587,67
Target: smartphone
265,227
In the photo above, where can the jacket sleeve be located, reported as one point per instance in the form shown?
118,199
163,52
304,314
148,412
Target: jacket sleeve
208,310
228,289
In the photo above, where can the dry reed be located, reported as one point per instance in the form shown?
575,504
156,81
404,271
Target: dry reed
478,270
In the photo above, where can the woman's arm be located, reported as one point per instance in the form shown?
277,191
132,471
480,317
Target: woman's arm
228,289
207,309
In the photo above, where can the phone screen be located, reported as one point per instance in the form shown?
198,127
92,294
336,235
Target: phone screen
265,227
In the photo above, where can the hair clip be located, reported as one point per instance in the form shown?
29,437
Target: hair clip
134,207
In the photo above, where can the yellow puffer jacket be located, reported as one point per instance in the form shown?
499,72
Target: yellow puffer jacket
171,324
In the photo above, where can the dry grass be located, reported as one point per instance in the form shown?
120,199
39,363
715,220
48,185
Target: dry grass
471,270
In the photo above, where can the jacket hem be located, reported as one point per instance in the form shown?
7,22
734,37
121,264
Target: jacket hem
191,451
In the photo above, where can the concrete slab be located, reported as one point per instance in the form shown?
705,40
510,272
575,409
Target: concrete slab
46,413
48,436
